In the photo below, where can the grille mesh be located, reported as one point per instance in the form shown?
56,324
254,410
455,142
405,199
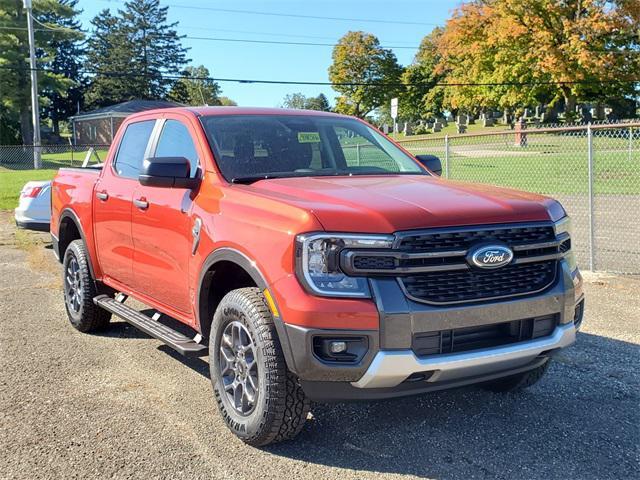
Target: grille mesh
476,285
445,240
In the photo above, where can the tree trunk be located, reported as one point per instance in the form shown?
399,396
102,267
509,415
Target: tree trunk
570,101
26,129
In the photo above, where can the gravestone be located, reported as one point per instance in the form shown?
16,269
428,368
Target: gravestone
385,129
407,129
461,128
437,127
538,111
487,122
471,120
462,120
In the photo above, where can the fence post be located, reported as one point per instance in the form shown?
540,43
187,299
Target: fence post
591,199
446,156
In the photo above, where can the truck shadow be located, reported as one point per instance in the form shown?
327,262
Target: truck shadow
580,421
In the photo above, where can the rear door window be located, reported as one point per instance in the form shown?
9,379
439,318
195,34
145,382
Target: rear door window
132,148
175,141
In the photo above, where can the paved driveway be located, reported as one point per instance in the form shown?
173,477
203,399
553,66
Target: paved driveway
119,405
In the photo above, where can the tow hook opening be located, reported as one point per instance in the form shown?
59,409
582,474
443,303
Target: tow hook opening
419,377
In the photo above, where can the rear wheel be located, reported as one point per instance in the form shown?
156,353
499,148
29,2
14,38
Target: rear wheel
517,382
80,289
259,399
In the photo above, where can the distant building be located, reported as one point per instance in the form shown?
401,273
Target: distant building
100,126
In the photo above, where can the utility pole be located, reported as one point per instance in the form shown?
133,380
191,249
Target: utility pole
35,108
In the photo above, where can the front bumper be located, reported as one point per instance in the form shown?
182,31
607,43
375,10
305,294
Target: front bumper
391,368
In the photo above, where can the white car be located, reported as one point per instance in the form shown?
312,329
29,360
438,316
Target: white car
34,209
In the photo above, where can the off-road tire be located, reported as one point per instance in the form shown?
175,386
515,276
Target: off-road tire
89,317
517,382
281,407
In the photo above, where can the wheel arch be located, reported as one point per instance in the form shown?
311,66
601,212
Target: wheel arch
70,229
224,262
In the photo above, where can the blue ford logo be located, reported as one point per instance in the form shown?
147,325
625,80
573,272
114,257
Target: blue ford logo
491,256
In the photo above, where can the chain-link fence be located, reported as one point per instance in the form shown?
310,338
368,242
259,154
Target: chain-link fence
594,171
24,157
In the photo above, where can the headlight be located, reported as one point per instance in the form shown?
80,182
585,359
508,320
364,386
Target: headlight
318,262
563,226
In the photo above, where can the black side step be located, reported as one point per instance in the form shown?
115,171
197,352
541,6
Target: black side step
176,340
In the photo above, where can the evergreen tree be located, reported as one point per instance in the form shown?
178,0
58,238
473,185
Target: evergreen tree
66,63
15,82
132,54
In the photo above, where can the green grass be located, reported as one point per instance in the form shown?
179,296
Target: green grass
450,129
549,163
16,170
12,181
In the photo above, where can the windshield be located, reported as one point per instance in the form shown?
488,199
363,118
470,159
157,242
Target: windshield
251,147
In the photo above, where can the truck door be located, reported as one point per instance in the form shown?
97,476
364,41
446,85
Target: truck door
161,224
113,203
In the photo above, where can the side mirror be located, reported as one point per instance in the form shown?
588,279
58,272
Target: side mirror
432,162
168,172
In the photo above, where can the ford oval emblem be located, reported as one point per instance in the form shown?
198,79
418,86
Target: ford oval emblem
491,256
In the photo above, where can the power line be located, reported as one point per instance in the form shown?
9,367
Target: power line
294,15
218,39
333,84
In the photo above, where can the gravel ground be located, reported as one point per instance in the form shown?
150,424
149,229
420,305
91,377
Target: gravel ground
121,405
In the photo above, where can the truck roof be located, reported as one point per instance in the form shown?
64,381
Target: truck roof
210,111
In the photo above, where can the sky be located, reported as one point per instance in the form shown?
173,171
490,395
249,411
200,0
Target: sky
287,62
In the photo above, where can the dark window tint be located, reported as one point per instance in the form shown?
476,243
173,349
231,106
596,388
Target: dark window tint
175,141
132,148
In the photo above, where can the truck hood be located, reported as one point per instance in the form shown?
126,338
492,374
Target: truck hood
385,204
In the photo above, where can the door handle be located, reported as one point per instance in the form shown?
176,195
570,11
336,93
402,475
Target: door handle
103,195
141,203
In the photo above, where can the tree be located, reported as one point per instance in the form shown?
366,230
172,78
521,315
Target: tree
300,101
420,97
360,68
227,102
195,88
15,82
133,53
572,50
321,103
66,63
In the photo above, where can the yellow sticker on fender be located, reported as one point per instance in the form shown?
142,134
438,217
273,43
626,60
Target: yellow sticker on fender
308,137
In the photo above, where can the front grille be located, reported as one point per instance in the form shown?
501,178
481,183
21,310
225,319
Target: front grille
434,266
474,285
484,336
448,239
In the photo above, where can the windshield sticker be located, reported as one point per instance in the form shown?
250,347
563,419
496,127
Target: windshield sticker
308,137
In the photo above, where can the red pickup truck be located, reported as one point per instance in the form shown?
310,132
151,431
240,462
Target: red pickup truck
312,258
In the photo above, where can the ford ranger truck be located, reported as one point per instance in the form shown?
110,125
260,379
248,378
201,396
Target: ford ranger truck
312,259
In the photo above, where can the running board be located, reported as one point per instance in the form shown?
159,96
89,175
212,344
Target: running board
176,340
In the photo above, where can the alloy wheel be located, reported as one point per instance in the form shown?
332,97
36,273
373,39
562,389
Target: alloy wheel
73,285
239,368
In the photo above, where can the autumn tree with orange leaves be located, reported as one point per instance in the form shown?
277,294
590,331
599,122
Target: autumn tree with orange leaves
545,51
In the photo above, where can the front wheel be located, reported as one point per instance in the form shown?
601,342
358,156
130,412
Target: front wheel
259,399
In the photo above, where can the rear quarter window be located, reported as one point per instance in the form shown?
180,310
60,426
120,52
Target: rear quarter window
133,146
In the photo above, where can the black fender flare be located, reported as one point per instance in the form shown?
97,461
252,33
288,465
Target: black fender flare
228,254
69,213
